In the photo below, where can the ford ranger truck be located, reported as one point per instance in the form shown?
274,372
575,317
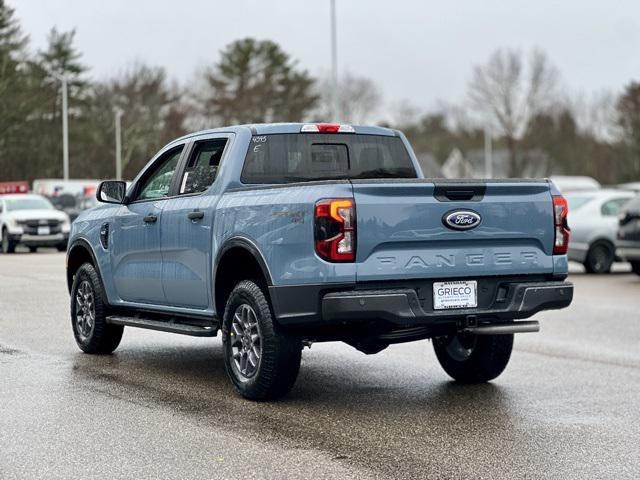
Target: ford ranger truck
282,235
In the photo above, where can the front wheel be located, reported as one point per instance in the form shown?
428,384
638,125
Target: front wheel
7,244
635,267
262,362
89,314
473,358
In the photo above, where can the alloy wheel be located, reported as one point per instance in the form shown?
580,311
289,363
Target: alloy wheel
85,310
246,341
599,258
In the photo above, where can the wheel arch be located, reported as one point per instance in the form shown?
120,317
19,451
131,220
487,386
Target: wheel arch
80,252
601,239
238,259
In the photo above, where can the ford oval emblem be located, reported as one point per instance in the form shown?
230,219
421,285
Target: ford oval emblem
461,219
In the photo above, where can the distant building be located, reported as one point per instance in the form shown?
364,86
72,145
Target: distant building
535,165
456,166
430,166
472,165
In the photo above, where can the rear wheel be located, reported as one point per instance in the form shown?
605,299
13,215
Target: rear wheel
599,258
635,267
473,358
7,244
262,362
33,249
89,314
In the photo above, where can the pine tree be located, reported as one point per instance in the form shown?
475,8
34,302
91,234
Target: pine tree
256,81
14,94
61,57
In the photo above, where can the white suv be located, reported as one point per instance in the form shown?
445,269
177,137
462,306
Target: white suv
31,220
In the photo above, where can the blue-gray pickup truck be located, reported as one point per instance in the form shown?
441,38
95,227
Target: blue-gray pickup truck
281,235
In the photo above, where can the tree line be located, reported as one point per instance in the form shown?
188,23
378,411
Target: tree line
518,98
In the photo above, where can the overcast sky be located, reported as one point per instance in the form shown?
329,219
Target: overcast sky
422,51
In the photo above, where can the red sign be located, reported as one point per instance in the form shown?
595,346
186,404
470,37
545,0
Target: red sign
14,187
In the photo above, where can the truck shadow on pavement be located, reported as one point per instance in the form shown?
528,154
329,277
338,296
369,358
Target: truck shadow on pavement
346,409
193,380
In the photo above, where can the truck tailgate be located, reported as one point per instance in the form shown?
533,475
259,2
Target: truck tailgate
402,235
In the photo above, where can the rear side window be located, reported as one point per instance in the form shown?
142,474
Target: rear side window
289,158
613,207
203,166
633,205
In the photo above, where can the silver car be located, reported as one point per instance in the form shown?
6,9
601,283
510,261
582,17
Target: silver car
593,221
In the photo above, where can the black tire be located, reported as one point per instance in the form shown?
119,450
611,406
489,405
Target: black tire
7,245
94,336
635,267
33,249
62,247
278,363
599,258
473,358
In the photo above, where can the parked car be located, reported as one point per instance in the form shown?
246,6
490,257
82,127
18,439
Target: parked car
52,187
575,183
628,243
66,203
286,234
633,186
31,220
594,225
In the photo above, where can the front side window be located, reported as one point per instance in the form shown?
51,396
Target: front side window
203,166
158,182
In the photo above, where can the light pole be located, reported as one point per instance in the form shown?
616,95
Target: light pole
334,63
65,121
118,112
488,153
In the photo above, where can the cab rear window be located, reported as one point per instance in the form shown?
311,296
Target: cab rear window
287,158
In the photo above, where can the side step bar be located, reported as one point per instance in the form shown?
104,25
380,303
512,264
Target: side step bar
504,329
205,330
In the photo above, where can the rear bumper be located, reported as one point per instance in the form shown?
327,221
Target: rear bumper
402,307
412,305
628,250
578,252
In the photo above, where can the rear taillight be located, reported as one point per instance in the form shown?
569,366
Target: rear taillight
335,229
561,228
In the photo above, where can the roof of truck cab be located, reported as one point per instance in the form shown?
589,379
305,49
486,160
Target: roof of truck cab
279,128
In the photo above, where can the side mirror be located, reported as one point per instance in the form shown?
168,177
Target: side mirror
111,191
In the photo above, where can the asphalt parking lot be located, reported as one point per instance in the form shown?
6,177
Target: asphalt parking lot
568,405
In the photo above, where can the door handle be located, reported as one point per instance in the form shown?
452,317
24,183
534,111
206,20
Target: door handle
150,219
195,215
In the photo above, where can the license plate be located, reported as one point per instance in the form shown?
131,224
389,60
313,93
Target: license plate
44,230
459,294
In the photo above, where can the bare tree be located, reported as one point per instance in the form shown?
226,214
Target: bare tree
508,94
358,98
596,115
